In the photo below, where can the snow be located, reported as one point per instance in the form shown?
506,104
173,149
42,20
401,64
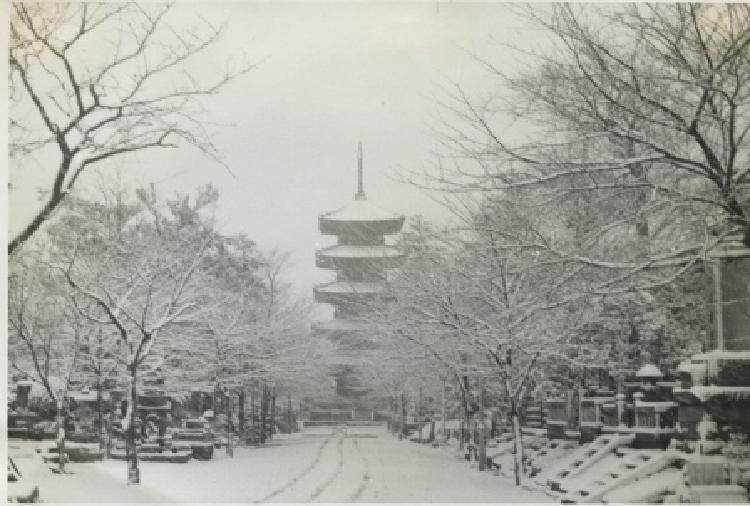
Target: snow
646,488
703,393
369,466
649,371
90,396
361,210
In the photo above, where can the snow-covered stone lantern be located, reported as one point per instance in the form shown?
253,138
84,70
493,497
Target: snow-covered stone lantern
654,413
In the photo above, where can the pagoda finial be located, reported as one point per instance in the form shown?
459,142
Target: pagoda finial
360,195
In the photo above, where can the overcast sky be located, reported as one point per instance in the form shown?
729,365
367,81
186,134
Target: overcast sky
329,74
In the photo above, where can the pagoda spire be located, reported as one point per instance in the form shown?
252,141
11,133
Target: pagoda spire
360,195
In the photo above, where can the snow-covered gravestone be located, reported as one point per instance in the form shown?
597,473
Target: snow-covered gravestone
706,427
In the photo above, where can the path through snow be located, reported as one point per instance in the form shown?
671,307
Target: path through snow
309,467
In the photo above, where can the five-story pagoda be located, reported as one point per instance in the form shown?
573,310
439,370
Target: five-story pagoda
361,258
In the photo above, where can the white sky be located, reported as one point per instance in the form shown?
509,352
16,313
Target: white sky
331,73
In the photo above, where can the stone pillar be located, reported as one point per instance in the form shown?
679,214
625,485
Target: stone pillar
636,400
22,396
571,405
731,294
620,410
735,276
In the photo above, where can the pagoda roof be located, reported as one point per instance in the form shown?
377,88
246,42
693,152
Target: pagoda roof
361,210
347,287
360,251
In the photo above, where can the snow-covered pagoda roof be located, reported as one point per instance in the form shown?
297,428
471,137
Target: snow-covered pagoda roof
360,251
361,210
360,216
360,213
345,287
334,257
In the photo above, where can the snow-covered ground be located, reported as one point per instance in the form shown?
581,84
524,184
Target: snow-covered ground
309,467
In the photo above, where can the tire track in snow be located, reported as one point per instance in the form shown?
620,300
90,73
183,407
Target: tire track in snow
365,474
339,467
301,475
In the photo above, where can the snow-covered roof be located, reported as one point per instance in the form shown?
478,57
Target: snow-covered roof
706,392
657,405
649,371
722,355
86,396
344,287
361,210
357,251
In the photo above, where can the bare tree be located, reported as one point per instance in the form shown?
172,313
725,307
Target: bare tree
45,335
492,314
140,291
251,331
135,92
637,112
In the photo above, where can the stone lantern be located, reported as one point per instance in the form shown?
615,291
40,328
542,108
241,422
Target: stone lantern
653,410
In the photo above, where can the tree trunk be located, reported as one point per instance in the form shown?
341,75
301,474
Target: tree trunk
420,418
54,200
134,474
60,437
272,413
482,443
403,415
253,417
289,413
517,442
444,412
100,412
465,399
241,411
466,432
263,408
230,427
